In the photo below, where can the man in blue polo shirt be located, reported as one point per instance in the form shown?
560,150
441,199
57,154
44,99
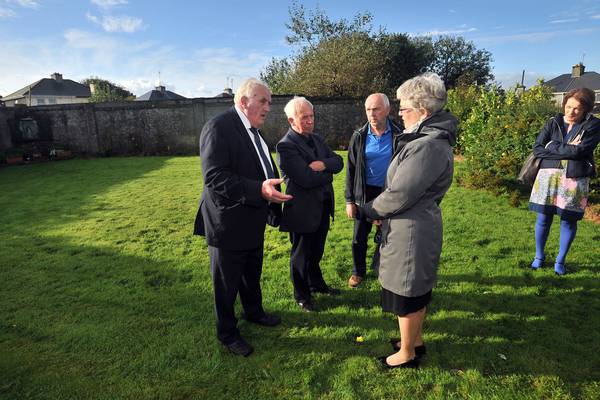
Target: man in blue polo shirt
369,154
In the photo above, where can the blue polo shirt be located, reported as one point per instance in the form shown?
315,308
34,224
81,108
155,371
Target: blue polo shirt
378,154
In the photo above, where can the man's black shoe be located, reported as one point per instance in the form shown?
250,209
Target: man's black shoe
307,305
240,348
326,290
264,320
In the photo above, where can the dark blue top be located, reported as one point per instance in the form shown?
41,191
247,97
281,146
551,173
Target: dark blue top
571,132
378,154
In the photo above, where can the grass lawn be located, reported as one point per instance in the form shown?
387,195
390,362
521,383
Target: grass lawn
105,294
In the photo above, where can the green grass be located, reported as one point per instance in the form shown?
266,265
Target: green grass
105,294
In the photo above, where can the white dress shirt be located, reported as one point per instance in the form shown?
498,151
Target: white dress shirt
265,148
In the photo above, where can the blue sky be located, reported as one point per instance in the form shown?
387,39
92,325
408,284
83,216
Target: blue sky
200,46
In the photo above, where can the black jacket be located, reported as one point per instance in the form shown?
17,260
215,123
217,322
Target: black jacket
551,147
232,213
355,168
303,213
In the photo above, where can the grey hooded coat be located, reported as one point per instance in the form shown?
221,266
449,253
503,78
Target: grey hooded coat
417,179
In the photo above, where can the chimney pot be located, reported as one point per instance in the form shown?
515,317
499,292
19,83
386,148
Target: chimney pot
578,70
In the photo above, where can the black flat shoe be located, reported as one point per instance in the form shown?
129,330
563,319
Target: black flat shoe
414,363
264,320
240,348
328,290
307,305
420,351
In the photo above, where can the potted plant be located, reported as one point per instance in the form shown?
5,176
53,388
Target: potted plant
14,155
60,152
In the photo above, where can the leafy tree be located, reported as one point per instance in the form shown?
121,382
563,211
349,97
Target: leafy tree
105,90
405,57
317,27
348,65
277,75
345,57
457,61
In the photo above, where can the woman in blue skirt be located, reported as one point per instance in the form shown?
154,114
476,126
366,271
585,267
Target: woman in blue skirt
566,146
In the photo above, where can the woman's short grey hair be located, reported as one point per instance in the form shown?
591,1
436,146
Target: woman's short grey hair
423,91
292,106
247,88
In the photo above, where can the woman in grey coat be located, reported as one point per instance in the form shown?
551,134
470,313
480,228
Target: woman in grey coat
417,179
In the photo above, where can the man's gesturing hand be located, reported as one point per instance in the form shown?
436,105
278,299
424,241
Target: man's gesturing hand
269,192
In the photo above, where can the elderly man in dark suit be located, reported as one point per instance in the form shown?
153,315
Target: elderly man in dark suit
240,196
308,165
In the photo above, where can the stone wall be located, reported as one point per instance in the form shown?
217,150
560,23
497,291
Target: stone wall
165,127
6,116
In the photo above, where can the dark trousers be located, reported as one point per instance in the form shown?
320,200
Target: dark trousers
306,254
235,272
362,228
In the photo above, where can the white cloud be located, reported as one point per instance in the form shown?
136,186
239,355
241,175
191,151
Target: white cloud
27,3
463,29
585,31
6,13
108,3
534,37
134,64
595,16
93,18
9,12
122,23
562,21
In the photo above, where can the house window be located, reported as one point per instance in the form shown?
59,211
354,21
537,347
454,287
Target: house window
598,97
51,100
40,101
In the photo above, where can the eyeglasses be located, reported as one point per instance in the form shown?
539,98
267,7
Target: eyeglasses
405,109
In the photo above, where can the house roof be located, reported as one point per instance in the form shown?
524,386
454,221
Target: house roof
159,94
566,82
51,87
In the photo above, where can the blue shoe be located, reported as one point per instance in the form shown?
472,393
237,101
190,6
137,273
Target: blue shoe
537,263
559,269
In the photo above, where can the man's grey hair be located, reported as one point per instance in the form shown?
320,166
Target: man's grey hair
292,106
247,88
384,98
423,91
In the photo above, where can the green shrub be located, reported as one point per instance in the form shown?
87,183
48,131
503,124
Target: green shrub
498,129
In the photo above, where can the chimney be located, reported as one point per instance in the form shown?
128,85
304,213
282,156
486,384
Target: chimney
228,92
578,70
56,76
160,88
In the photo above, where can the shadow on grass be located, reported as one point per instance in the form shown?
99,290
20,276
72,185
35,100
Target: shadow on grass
55,193
98,318
94,322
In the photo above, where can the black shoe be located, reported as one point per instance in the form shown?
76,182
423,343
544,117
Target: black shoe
328,290
414,363
264,320
307,305
240,348
420,351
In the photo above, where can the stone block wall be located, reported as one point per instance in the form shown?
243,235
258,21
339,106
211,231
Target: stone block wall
166,127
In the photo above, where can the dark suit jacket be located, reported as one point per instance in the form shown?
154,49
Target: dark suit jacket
232,213
302,214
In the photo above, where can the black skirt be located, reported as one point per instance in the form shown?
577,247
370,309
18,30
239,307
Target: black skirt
401,305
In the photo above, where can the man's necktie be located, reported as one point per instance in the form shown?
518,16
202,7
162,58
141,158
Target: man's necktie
261,153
